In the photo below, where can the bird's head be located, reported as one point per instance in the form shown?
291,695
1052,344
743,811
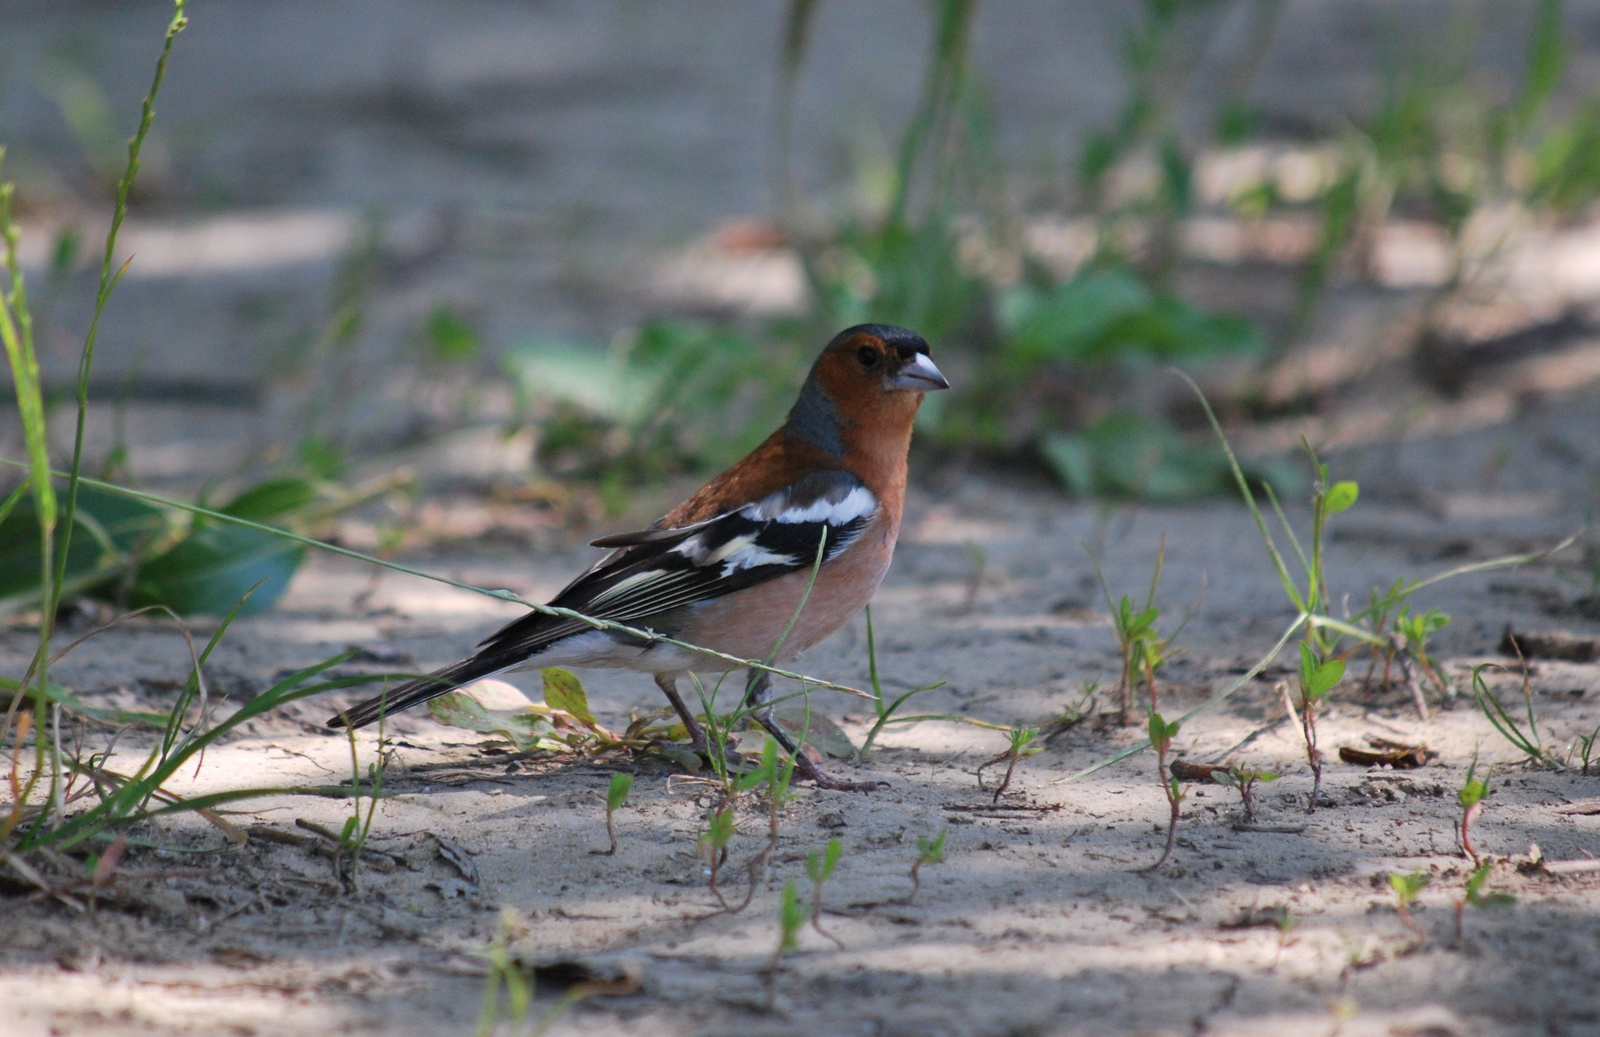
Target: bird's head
869,380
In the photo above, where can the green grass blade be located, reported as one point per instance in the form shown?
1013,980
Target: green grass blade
1239,480
108,283
1245,678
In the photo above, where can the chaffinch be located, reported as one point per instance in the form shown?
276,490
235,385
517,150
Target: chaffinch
728,568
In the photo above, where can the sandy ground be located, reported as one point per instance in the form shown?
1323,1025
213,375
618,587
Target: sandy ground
1039,920
538,167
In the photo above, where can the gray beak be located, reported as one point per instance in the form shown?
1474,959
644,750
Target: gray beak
920,376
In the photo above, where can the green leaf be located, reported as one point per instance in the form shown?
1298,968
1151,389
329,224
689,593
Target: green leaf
1340,496
564,691
524,729
449,337
208,571
72,704
1407,887
931,851
1110,313
1126,455
272,499
1318,678
322,457
109,532
819,866
1328,674
583,375
1158,731
617,794
720,829
791,916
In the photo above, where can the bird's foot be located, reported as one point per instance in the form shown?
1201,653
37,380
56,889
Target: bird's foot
823,780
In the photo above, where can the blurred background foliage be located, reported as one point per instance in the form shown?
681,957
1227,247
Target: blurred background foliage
1047,358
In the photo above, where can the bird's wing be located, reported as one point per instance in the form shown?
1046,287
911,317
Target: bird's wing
662,569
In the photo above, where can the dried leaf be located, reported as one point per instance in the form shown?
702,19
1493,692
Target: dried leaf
1385,753
1185,771
525,729
821,733
564,691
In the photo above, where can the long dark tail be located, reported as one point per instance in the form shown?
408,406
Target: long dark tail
422,689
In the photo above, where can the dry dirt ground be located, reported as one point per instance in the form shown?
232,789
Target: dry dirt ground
529,160
1040,919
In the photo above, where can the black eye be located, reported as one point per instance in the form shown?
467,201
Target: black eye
868,356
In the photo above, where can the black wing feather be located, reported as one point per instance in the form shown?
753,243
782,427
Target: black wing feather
660,573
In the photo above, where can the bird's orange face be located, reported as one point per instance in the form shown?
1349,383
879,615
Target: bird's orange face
883,373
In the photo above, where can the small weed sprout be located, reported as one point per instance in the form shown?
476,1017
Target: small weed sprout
1528,741
616,795
778,778
1317,678
1142,648
929,851
1473,792
819,869
1243,779
791,916
1285,920
713,847
1021,748
777,772
1162,733
504,974
353,836
1406,888
978,561
1586,746
1412,633
885,711
1473,895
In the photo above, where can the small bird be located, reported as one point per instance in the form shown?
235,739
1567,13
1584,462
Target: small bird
728,568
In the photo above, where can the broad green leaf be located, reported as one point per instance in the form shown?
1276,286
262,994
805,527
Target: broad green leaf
1308,663
587,376
1126,455
1325,677
1071,322
1161,732
109,531
564,691
208,571
272,499
721,828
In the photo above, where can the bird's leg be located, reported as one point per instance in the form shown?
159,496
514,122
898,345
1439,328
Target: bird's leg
758,700
668,683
